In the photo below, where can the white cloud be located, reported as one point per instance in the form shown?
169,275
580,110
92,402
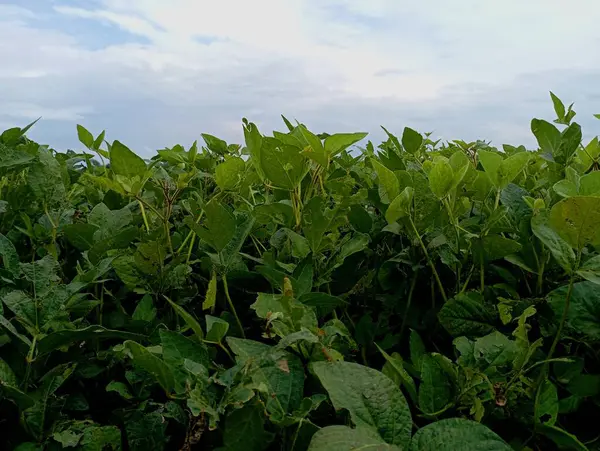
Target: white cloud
457,67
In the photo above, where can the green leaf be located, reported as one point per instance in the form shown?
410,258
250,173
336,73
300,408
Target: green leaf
325,303
147,361
10,258
85,137
589,184
417,350
495,350
494,247
219,226
126,163
229,173
176,348
145,310
441,178
559,107
360,219
561,251
343,438
511,167
374,402
436,389
547,135
394,363
546,403
562,438
583,316
491,162
245,430
317,220
389,186
466,314
216,329
334,144
457,434
400,206
576,220
211,293
189,319
411,140
68,337
80,235
284,165
215,144
120,388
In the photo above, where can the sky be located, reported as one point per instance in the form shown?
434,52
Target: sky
155,73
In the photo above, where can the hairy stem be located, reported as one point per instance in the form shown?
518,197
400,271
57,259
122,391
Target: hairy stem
431,265
232,307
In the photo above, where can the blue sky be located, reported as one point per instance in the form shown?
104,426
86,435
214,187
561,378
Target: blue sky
155,73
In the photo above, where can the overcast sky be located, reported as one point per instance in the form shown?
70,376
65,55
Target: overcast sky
155,73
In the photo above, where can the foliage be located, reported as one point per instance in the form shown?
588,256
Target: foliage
299,293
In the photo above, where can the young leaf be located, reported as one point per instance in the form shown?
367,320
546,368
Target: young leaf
216,329
85,137
441,178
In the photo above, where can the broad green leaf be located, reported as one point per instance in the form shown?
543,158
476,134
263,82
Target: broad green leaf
576,220
80,235
559,107
189,319
339,142
583,316
85,137
10,258
219,225
566,188
491,162
215,144
494,350
120,388
494,247
562,438
216,329
144,359
546,403
23,306
45,179
176,348
389,186
374,402
126,163
245,430
284,165
561,251
466,314
325,303
590,270
417,350
343,438
211,293
109,222
68,337
146,431
400,206
547,135
457,434
589,184
229,173
436,390
394,363
145,310
441,178
317,220
411,140
360,219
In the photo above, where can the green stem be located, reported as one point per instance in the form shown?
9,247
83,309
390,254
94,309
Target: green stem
143,210
408,302
482,275
29,359
432,266
497,202
232,307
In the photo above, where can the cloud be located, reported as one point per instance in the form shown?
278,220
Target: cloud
157,73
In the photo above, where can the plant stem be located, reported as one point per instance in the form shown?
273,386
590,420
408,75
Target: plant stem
432,266
408,302
231,306
143,210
